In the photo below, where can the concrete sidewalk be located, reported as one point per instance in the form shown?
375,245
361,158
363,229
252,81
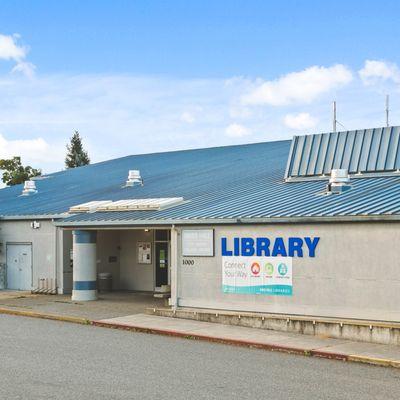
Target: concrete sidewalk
379,354
109,305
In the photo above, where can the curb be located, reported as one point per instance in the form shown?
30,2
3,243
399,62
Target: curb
264,346
167,332
375,361
236,342
54,317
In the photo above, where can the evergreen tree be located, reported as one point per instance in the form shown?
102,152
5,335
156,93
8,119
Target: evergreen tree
15,173
76,156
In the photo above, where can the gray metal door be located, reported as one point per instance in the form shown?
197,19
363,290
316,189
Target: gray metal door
19,266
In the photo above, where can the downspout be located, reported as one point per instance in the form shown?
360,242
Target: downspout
174,268
56,260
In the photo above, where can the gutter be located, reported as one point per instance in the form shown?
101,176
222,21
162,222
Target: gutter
230,221
58,220
33,217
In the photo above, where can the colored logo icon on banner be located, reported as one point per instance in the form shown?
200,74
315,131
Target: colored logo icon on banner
269,269
282,269
255,268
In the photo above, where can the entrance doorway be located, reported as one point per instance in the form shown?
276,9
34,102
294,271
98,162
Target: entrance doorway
162,263
19,266
161,248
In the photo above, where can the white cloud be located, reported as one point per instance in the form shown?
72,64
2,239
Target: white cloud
115,114
31,151
300,121
11,51
237,131
118,115
26,68
377,71
299,87
240,112
187,117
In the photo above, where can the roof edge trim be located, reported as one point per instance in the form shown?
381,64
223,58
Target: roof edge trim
33,216
230,221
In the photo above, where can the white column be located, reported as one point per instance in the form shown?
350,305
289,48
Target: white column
84,266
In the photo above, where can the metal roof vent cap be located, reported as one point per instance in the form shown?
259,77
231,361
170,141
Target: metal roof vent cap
29,188
134,178
338,182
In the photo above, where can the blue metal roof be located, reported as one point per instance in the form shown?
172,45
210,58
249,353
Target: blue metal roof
220,184
361,151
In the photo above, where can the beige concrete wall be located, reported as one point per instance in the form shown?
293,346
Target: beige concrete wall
43,242
135,276
108,245
355,274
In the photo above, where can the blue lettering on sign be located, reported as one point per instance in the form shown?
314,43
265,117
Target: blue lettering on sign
262,246
224,249
247,247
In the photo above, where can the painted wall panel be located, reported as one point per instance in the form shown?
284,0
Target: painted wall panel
43,246
135,276
108,254
355,274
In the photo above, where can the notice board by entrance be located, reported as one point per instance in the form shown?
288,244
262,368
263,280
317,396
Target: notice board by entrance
198,242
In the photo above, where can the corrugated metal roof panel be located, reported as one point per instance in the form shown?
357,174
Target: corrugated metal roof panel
224,183
368,150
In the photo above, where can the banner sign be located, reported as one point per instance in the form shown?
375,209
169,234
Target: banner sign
257,275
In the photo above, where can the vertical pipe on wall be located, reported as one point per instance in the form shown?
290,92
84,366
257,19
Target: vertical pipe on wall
174,268
85,268
57,258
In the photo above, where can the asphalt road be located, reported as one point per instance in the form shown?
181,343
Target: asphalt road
42,359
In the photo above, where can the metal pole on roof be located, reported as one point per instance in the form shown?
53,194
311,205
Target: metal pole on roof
387,110
334,116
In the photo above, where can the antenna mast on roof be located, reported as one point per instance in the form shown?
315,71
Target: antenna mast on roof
334,116
387,110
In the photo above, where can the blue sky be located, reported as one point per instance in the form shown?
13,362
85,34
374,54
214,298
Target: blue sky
143,76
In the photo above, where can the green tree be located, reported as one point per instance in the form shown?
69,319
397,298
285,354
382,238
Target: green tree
76,156
14,172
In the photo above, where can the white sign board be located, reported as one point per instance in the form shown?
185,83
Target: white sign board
198,242
144,252
257,275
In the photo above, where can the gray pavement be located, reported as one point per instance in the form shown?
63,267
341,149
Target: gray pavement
43,359
109,304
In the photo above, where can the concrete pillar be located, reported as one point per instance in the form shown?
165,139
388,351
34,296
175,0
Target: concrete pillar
84,286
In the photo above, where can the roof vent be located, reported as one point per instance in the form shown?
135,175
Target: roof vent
134,178
338,182
29,188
